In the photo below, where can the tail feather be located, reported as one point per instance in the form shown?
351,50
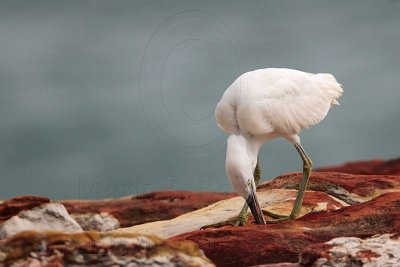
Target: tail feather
329,84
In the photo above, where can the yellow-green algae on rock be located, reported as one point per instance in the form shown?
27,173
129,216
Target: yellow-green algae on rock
97,249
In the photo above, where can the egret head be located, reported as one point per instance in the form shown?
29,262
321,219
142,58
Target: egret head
240,172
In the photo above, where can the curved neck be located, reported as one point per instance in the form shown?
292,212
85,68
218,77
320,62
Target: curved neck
253,146
246,144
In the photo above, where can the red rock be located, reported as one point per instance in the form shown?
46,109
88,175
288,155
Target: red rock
274,201
367,254
13,206
339,185
149,207
389,167
259,244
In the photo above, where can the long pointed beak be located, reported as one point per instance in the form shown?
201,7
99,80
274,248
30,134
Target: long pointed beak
254,205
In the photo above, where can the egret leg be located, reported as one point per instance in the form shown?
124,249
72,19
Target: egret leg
307,168
243,217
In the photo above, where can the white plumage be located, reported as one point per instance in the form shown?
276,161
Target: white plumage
271,103
281,101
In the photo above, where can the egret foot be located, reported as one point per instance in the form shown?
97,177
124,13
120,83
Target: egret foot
277,217
274,215
278,220
236,221
240,220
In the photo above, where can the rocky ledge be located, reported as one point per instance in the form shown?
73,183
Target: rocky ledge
155,206
350,217
378,166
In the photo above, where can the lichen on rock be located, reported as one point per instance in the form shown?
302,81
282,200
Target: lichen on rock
97,249
380,250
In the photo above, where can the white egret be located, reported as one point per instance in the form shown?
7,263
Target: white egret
264,104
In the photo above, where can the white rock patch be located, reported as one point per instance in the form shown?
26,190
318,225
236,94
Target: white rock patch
384,250
101,222
51,216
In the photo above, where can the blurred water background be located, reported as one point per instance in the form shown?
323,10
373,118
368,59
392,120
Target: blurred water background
109,98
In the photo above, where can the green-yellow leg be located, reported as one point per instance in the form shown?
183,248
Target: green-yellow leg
307,168
243,216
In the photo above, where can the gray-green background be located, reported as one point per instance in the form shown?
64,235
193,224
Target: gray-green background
109,98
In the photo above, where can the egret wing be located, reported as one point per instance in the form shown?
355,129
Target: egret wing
296,101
